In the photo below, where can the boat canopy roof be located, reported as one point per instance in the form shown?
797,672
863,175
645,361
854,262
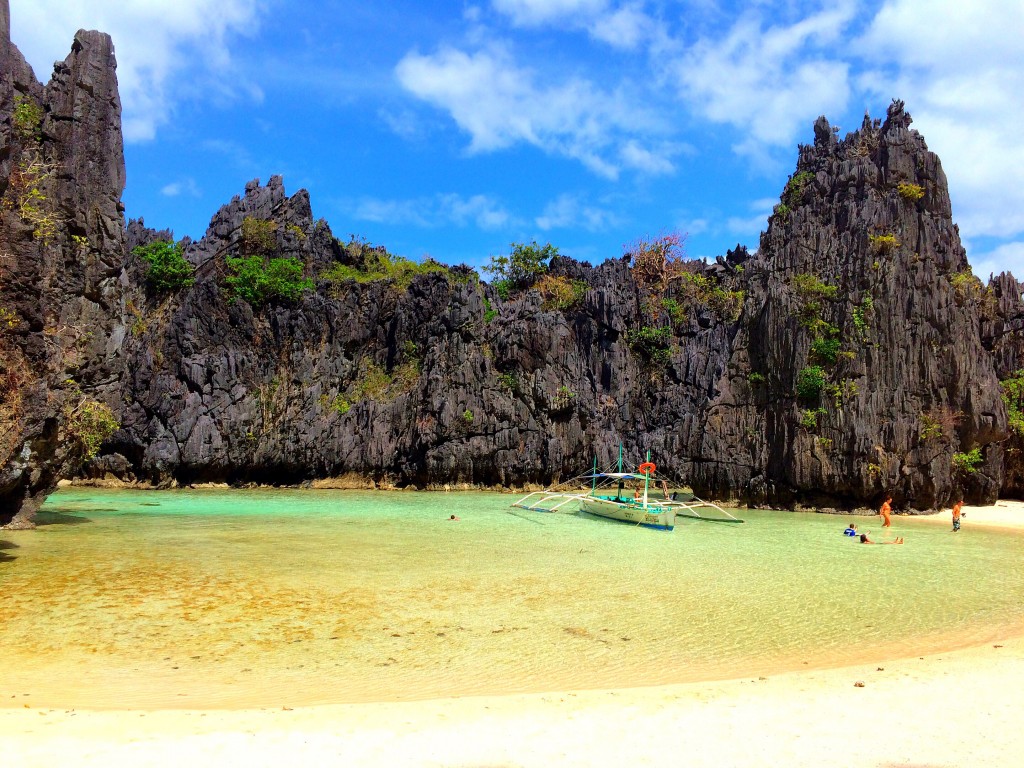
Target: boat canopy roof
616,476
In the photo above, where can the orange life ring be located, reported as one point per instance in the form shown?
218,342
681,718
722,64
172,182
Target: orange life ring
647,468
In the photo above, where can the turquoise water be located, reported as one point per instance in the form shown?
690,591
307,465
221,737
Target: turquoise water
270,597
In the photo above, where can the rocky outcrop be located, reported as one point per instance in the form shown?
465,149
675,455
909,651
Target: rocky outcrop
857,289
851,357
61,256
1003,335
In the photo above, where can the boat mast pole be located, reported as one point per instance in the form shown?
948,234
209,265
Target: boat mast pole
593,477
647,480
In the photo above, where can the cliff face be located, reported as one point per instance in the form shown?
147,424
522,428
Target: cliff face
1003,336
904,382
61,256
834,384
854,355
438,382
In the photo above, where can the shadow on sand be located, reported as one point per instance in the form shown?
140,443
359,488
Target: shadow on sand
4,557
53,517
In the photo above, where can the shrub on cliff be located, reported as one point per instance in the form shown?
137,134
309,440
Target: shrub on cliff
89,424
258,280
168,269
259,236
656,261
1013,396
522,266
560,292
376,264
651,344
810,382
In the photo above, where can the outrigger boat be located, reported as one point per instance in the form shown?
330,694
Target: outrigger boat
609,497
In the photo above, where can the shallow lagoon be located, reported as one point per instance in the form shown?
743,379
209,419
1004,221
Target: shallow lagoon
268,597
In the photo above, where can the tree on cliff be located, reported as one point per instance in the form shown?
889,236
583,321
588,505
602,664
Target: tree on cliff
521,267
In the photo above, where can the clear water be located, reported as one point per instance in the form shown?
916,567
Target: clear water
267,597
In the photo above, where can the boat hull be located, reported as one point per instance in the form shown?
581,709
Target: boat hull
655,516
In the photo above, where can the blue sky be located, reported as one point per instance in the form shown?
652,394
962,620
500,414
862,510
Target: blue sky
455,128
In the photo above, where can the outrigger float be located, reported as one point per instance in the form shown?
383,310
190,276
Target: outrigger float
609,497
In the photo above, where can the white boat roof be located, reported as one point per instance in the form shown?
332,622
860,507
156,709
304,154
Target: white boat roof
618,476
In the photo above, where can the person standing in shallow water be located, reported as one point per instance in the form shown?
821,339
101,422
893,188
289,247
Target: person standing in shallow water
957,514
885,511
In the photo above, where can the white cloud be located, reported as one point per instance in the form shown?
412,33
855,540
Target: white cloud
500,104
1008,257
960,73
653,163
163,48
184,186
767,82
440,210
569,211
624,27
529,13
751,226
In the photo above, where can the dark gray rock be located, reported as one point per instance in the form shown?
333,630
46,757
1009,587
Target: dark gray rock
439,381
62,284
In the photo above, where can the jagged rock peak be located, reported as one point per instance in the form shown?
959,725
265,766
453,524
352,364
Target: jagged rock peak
5,29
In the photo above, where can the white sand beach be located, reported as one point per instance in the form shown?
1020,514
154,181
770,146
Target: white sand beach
961,708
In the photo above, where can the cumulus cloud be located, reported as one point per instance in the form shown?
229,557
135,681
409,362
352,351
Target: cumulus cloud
163,47
186,186
752,225
960,74
499,104
1008,257
624,26
440,210
529,13
570,211
768,82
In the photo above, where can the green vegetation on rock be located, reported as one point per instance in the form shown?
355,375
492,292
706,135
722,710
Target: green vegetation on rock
967,463
90,423
168,269
560,292
1013,396
373,264
810,382
259,236
523,265
911,192
27,119
258,280
884,244
652,344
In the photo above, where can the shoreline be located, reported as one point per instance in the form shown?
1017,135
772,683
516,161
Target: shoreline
950,709
955,708
357,482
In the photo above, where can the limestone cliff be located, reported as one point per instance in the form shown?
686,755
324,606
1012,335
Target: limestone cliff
61,257
853,355
859,369
854,286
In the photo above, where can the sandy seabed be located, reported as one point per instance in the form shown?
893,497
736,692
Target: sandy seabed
962,708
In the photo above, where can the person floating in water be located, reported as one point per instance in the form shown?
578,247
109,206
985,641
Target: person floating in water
851,530
865,540
957,514
885,511
453,517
